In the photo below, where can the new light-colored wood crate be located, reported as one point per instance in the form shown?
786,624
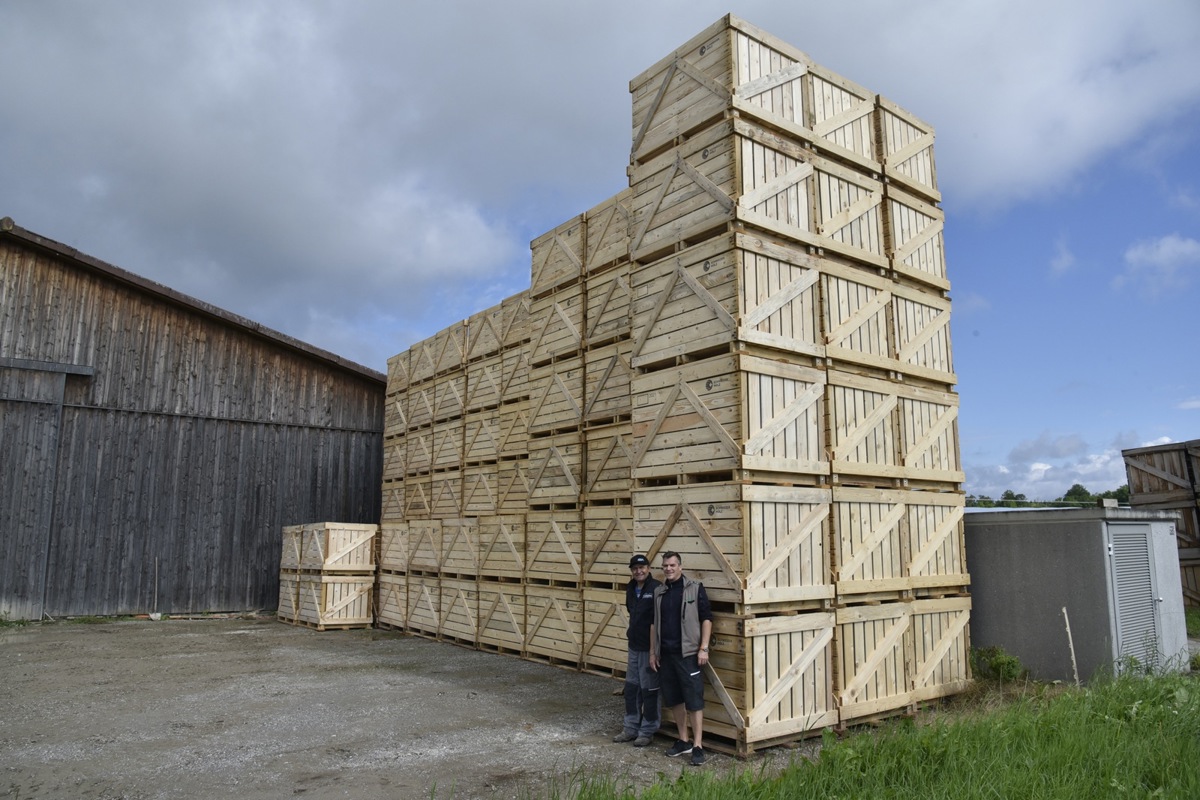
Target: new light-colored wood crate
397,373
770,678
460,547
481,490
941,647
513,422
557,256
460,610
758,546
393,546
888,543
289,596
425,545
395,413
446,444
393,601
556,325
514,313
739,172
336,601
485,334
906,149
417,493
881,431
292,546
607,232
421,402
440,353
608,544
731,412
733,67
556,470
424,605
611,452
608,316
735,288
556,396
395,458
419,447
554,624
445,494
554,546
449,395
913,237
515,373
921,322
857,320
605,645
501,616
513,497
607,380
338,546
485,383
481,437
502,547
394,507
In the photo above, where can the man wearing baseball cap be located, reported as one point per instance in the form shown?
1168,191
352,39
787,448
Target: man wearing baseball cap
641,682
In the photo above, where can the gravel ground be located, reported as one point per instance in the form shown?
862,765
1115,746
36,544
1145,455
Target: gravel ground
254,708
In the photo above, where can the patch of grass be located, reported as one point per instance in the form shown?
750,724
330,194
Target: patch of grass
995,663
1128,736
5,622
1192,616
88,619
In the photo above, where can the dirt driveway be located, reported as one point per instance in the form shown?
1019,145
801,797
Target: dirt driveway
253,708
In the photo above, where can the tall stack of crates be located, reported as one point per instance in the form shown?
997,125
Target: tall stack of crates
327,575
743,357
1167,477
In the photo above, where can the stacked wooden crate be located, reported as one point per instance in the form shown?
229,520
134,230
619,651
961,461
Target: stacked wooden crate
743,357
1167,477
327,575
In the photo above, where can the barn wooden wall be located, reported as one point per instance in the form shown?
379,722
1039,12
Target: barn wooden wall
152,447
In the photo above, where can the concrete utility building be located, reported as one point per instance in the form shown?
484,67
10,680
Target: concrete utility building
152,446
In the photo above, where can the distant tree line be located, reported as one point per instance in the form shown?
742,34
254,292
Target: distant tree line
1076,497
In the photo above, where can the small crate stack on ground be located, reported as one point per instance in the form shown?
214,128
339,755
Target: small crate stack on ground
327,575
1166,477
743,357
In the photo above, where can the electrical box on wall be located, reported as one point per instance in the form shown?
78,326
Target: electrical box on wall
1073,593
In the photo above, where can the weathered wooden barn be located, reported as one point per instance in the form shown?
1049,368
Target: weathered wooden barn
153,446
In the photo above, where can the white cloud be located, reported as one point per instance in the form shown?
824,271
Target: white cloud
1158,266
1191,404
1063,259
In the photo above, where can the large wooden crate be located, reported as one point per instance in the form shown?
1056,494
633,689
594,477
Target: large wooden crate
481,437
485,383
906,150
554,624
608,375
755,545
514,312
607,233
881,431
734,67
392,608
873,649
739,172
338,546
398,373
730,412
913,237
608,316
605,623
770,677
417,490
515,373
446,445
554,546
292,547
425,545
1167,477
557,325
481,490
394,507
336,601
608,544
611,452
941,647
731,289
501,616
556,396
424,605
513,423
501,547
395,457
449,395
485,334
889,543
395,413
460,610
557,256
394,546
460,547
421,402
288,608
440,353
556,470
445,494
513,492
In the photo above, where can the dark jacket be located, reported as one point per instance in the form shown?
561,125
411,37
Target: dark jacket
641,613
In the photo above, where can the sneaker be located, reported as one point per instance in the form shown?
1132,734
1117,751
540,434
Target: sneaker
697,756
641,741
624,736
679,748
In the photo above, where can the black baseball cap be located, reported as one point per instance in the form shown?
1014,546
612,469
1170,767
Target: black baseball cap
638,560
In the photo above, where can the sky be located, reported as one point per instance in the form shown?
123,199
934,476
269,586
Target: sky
360,175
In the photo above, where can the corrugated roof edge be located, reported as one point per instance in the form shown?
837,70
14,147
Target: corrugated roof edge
10,229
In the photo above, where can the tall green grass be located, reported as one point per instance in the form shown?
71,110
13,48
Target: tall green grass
1128,737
